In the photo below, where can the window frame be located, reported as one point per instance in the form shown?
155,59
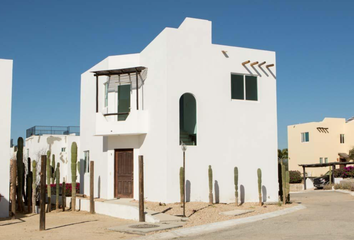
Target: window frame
87,161
106,94
341,138
305,139
244,87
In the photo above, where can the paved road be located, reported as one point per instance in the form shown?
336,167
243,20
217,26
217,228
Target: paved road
328,215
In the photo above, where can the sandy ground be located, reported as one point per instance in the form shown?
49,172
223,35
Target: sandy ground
201,213
63,225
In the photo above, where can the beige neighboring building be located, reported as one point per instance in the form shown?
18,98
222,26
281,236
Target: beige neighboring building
320,142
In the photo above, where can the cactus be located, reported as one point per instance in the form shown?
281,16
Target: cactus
53,167
34,185
49,190
287,186
20,173
259,175
236,184
283,175
57,177
181,184
29,185
210,176
73,174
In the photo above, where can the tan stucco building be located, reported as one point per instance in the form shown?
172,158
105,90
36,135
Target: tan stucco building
320,142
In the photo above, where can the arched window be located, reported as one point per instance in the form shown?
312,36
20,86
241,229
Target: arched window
188,119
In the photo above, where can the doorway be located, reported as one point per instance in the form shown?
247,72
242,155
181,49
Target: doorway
123,173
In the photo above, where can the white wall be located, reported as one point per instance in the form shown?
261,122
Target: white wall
229,132
5,131
39,145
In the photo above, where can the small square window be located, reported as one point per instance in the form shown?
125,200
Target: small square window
342,138
305,137
63,149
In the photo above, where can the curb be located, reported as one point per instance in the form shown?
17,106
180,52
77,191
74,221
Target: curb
213,227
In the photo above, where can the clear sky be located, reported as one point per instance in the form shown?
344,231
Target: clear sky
53,42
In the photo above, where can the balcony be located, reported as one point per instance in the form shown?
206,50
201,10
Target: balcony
119,102
135,124
52,130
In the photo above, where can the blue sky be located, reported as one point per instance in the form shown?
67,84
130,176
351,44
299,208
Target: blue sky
53,42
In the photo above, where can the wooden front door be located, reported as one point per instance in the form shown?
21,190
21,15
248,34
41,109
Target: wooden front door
123,173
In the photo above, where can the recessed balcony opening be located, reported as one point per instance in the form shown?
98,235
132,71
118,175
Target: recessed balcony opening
122,92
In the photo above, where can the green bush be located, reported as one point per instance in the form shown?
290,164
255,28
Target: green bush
295,177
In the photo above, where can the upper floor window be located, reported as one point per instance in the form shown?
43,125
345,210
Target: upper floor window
63,149
244,87
305,137
321,160
123,102
326,160
342,138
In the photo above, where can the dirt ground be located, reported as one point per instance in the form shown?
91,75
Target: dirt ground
63,225
201,213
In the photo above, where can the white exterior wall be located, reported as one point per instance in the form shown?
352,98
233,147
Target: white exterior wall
36,146
5,133
229,132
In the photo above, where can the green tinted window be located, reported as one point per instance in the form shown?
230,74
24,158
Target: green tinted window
251,88
237,87
123,101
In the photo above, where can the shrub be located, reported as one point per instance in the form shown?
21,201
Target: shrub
295,177
68,188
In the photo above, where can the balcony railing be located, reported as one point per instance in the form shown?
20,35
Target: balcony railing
52,130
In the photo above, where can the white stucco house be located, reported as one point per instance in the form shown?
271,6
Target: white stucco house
5,133
40,139
219,100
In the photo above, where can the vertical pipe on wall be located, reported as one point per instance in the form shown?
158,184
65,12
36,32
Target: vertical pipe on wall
141,189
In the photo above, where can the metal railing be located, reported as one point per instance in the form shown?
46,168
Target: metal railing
52,130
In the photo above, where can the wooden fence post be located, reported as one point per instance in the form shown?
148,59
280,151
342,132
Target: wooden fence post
42,199
92,192
63,195
141,189
13,187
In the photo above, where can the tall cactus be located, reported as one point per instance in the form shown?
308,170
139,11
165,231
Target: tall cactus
73,175
236,184
34,185
287,186
29,185
181,184
259,175
53,166
20,173
49,189
57,177
283,175
210,176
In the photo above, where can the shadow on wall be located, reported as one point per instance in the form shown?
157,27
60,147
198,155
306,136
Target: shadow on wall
82,175
188,191
217,192
99,187
242,194
4,207
264,193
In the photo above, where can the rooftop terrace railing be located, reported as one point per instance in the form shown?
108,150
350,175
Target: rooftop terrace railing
52,130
